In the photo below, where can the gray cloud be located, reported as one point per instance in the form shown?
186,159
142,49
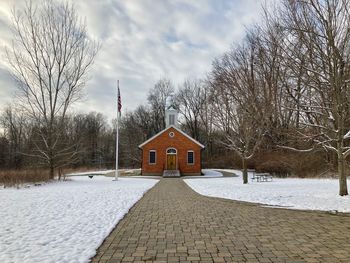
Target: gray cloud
143,41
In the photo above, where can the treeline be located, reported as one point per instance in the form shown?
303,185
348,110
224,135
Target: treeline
88,140
192,100
278,102
286,87
84,140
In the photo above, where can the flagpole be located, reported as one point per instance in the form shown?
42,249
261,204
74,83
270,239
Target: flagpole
117,137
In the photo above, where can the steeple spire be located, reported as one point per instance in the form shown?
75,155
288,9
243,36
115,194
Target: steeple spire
171,113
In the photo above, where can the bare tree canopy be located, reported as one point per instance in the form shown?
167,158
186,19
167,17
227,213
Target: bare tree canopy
320,30
191,100
50,58
239,99
156,99
277,102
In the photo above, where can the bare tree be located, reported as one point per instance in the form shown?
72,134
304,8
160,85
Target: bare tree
238,101
242,133
156,99
191,100
142,117
320,30
95,126
134,129
50,58
4,149
16,127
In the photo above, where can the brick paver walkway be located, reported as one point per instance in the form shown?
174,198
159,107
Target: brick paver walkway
172,223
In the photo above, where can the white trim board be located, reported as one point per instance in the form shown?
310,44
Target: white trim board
171,126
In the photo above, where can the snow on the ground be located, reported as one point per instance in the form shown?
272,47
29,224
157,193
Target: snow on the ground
105,172
64,221
294,193
211,173
130,170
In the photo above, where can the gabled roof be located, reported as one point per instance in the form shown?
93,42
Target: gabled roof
171,126
171,107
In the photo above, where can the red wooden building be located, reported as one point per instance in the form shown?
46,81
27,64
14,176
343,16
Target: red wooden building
171,152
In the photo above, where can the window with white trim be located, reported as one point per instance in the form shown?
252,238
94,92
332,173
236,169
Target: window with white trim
190,157
152,157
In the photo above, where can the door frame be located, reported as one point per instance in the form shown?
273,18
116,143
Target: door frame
172,153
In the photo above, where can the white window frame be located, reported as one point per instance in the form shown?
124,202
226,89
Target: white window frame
193,158
149,157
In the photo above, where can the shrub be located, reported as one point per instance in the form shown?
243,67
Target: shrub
286,163
17,177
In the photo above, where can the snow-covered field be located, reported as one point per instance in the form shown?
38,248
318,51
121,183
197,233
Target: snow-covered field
211,173
309,194
64,221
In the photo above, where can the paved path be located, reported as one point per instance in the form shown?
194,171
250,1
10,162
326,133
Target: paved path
172,223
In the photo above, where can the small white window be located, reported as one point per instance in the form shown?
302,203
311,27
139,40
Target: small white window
190,157
152,157
171,119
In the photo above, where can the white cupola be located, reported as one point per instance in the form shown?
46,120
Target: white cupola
170,112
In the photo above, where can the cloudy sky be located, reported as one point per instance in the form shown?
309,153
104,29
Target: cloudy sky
143,41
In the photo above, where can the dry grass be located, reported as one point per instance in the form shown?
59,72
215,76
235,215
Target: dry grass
130,172
11,178
81,169
16,178
282,163
294,164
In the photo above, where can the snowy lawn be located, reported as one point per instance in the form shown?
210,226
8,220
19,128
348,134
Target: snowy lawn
211,173
310,194
64,221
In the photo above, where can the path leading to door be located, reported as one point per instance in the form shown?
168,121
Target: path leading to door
172,223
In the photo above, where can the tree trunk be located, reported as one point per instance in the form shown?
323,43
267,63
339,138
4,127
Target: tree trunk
343,188
244,170
59,174
52,171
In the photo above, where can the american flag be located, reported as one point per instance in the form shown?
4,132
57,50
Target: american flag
119,100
